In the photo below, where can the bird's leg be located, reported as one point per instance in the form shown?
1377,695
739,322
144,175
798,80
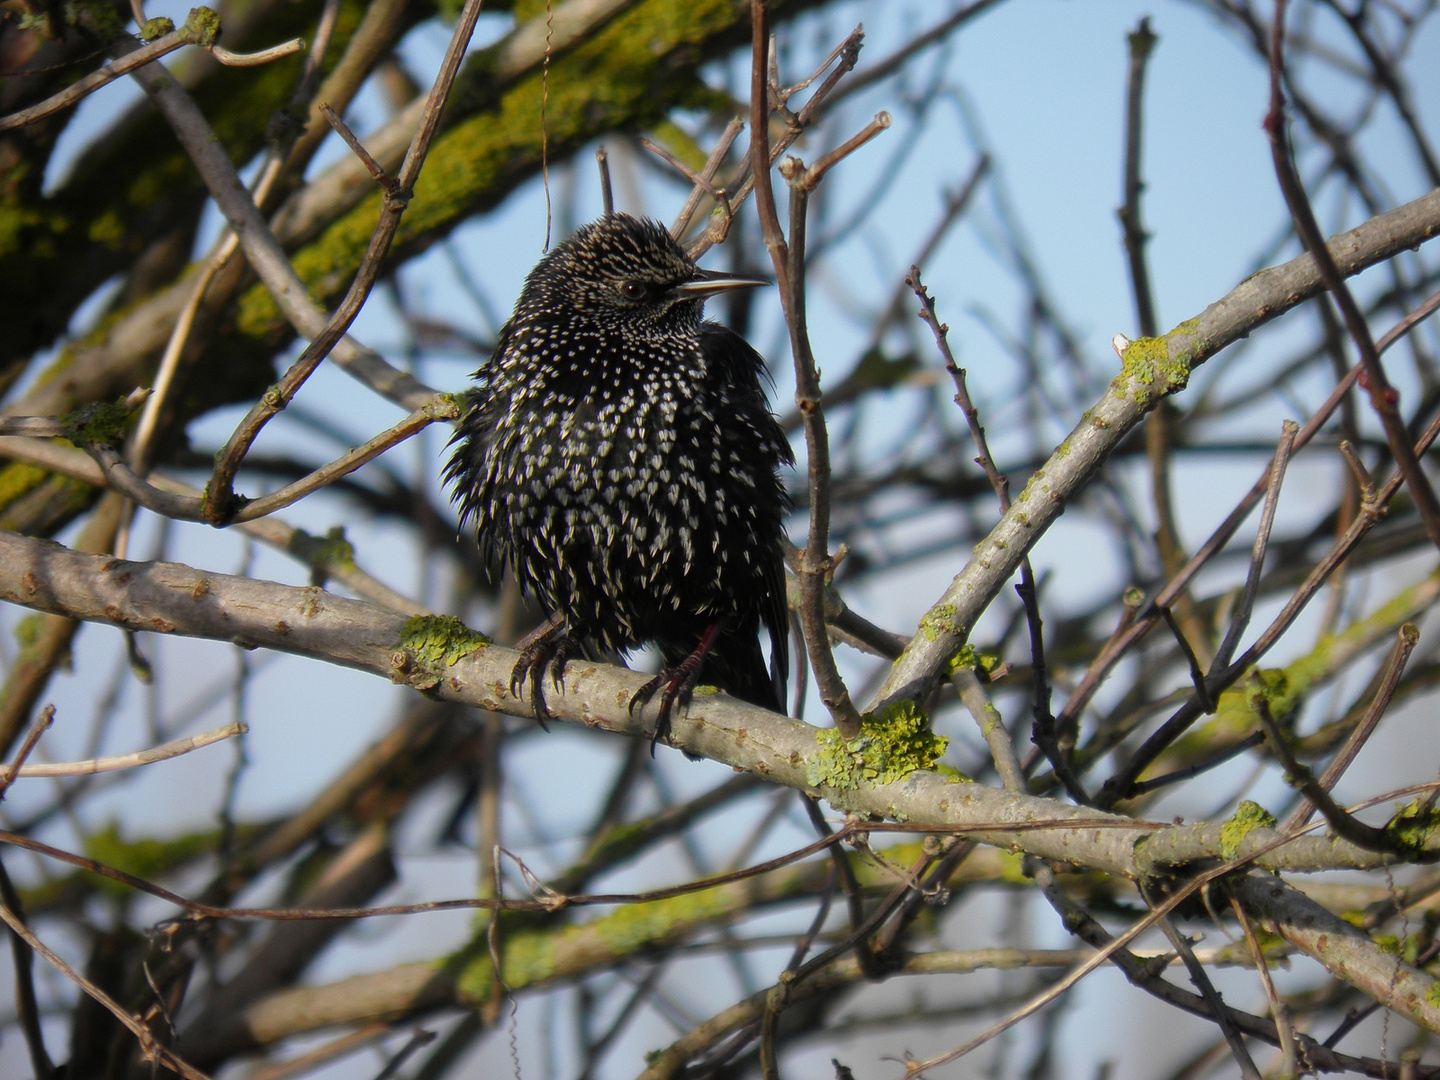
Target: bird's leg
548,645
679,683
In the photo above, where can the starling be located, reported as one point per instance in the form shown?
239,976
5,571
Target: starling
621,458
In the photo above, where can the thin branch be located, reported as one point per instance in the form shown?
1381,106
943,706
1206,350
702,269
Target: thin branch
1241,619
811,177
744,183
325,559
607,193
1150,375
1383,397
816,565
116,762
27,1007
1405,641
1142,42
122,478
1299,777
133,55
1134,629
707,174
1144,787
1118,786
1278,1011
357,148
1197,673
265,255
218,506
255,59
1043,730
1212,998
443,408
41,725
699,180
150,1049
992,728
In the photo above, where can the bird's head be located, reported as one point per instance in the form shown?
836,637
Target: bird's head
628,270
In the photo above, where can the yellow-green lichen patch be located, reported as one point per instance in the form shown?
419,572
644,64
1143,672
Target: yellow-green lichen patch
972,658
440,640
937,621
1407,949
890,747
1248,817
1432,996
202,26
1412,826
526,957
156,28
1147,365
532,956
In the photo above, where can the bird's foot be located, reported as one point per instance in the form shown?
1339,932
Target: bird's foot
547,646
679,684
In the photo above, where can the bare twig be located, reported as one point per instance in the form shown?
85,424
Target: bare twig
1043,729
133,55
114,763
356,146
1197,673
1153,373
1278,1011
788,259
607,194
150,1049
257,241
27,1007
992,727
1241,619
1133,630
699,180
795,125
218,505
255,59
169,503
1202,982
1142,42
1118,786
1144,787
1357,832
1383,397
1405,641
707,174
41,725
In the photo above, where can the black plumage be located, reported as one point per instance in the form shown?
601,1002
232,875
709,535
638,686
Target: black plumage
621,457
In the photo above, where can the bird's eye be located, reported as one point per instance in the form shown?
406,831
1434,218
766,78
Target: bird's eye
633,290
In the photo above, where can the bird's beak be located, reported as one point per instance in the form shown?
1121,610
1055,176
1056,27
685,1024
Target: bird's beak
712,282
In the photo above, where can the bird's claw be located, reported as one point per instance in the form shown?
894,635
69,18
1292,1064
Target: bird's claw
551,648
679,684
